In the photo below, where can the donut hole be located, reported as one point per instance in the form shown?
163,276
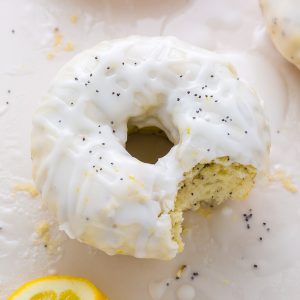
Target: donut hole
147,144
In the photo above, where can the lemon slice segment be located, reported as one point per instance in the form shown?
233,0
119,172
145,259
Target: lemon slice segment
58,288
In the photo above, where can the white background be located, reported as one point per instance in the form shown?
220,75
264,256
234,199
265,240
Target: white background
220,248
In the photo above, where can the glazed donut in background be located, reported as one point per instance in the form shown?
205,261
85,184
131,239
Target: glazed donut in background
282,19
102,195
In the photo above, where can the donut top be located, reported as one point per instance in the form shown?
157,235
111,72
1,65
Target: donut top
283,21
102,195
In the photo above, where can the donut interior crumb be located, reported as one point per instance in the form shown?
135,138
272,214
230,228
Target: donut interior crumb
207,185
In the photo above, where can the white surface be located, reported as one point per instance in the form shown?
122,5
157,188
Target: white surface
220,248
100,194
186,292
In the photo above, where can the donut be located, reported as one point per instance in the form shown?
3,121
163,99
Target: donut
282,21
103,196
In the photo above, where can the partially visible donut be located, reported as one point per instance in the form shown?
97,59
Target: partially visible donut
108,199
283,23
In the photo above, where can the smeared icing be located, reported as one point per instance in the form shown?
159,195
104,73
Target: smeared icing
102,195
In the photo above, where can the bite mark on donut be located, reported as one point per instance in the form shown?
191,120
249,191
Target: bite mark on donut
208,185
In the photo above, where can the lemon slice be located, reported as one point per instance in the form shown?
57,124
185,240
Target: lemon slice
58,288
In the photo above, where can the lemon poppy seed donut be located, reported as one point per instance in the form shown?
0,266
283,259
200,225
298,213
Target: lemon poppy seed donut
102,195
283,24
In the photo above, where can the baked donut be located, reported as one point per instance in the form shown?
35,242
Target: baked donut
283,24
102,195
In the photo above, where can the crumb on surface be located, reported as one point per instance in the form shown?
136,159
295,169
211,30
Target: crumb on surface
42,230
285,180
69,46
50,55
180,271
232,70
27,188
58,45
226,281
58,36
73,19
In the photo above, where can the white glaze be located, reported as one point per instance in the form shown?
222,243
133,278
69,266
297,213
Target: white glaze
103,196
282,20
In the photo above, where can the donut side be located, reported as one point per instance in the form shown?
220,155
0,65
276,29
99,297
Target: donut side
283,25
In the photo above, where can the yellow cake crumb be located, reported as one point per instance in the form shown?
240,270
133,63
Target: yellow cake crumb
43,231
58,44
287,183
285,180
69,47
74,19
28,188
180,271
188,130
50,55
42,228
232,70
57,38
226,281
